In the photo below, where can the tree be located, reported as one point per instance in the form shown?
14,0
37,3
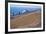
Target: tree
19,13
13,13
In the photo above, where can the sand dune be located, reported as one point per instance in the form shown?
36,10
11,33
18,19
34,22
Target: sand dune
29,20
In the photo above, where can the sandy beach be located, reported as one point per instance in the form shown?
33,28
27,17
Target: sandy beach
30,20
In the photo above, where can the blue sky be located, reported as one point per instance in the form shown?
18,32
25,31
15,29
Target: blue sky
20,8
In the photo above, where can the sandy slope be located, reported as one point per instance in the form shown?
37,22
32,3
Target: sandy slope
28,20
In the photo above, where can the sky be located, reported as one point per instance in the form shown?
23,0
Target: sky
22,8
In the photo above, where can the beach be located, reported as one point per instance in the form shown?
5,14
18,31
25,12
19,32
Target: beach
30,20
